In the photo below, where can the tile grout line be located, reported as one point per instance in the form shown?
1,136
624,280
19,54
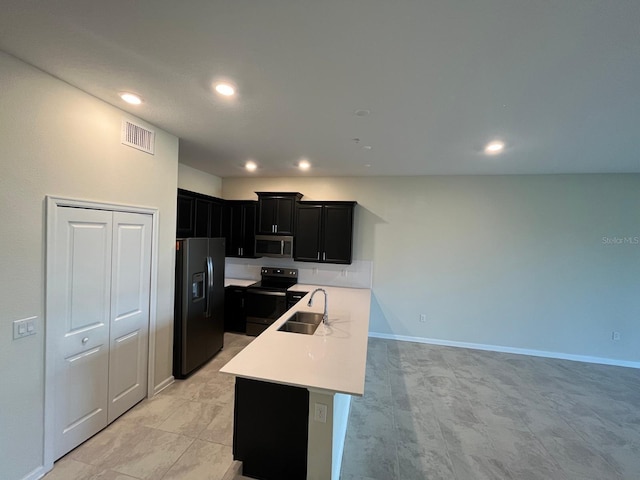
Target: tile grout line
178,459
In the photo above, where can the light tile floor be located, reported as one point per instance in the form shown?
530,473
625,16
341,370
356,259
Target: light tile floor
185,432
432,412
429,412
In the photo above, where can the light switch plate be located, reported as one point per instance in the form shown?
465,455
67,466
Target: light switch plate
24,328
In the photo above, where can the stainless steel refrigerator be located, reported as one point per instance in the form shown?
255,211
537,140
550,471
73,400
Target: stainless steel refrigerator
199,304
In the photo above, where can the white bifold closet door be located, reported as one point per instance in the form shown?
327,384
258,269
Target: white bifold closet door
99,318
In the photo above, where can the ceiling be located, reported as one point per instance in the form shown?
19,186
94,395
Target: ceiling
557,81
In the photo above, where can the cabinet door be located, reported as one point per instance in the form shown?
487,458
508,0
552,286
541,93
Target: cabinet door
235,319
203,218
284,216
225,226
185,216
236,233
306,244
249,230
216,219
337,233
267,215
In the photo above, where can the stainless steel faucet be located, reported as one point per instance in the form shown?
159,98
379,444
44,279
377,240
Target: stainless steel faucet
325,316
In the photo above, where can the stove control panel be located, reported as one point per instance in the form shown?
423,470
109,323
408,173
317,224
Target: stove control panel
279,272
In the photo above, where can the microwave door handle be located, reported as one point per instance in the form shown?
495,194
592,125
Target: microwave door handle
281,247
209,285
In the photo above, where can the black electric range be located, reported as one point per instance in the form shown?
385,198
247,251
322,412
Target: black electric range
266,300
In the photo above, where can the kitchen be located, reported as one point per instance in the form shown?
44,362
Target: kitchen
537,280
302,373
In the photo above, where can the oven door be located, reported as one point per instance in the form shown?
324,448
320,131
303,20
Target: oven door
263,307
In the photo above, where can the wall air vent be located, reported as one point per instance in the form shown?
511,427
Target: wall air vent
139,137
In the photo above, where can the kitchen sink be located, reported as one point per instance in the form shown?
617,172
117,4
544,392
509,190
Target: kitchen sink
302,322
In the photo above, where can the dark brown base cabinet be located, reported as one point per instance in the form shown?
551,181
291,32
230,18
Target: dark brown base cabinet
271,429
324,232
235,317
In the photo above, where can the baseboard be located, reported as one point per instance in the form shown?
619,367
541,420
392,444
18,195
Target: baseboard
35,474
162,385
502,349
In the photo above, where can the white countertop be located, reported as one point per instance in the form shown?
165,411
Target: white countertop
238,282
332,359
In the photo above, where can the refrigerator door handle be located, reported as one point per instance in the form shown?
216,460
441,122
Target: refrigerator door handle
209,285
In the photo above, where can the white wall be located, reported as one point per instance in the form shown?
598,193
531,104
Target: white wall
513,261
199,181
57,140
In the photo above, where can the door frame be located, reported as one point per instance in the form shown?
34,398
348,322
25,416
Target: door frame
52,204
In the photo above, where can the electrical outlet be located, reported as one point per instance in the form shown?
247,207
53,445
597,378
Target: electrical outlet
423,317
615,336
320,414
345,272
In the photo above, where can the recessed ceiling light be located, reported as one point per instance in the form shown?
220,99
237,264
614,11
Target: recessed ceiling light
251,166
367,147
494,147
225,89
304,164
131,98
362,112
368,165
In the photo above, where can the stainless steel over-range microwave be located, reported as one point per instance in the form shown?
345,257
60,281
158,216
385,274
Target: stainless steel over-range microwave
274,246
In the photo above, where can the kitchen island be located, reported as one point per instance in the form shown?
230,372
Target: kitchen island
326,367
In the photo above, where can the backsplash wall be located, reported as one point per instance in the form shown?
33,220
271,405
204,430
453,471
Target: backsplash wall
357,275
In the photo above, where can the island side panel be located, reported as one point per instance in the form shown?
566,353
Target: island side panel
270,432
326,439
320,451
341,408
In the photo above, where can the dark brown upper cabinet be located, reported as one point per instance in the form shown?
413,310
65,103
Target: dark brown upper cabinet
198,215
324,232
276,212
185,216
239,223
